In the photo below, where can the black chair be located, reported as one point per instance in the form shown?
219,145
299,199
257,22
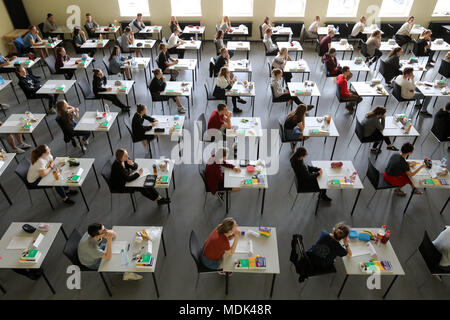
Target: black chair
71,252
274,100
31,96
359,133
50,62
86,90
444,69
212,65
133,139
340,100
376,178
106,65
106,173
261,36
210,97
364,48
201,126
397,94
196,252
415,50
302,189
41,30
22,172
69,136
439,141
202,172
388,31
283,136
387,71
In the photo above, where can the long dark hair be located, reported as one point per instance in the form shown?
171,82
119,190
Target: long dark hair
377,111
65,116
340,231
38,152
113,53
226,225
394,51
298,114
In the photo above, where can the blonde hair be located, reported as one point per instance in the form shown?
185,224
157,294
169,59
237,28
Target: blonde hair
226,225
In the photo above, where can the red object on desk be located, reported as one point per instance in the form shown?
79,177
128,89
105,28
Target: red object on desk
190,26
197,27
250,169
292,44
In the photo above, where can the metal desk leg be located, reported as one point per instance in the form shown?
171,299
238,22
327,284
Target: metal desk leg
356,201
390,286
34,141
173,179
262,203
110,145
414,141
14,91
84,199
167,196
253,106
134,95
96,176
2,289
5,194
64,233
273,282
48,282
156,286
226,201
317,206
409,200
106,285
343,284
443,208
118,128
367,74
163,243
51,134
317,107
226,282
334,147
385,103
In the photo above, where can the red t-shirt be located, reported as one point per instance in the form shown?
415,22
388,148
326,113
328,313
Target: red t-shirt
215,246
342,82
216,120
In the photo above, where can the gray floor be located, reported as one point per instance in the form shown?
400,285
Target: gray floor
176,273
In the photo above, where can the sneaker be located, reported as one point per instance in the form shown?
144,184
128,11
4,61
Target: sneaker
83,147
4,106
24,146
19,150
71,192
131,276
182,109
417,191
163,201
237,110
392,148
51,111
242,101
375,151
309,107
220,196
223,273
325,198
69,201
126,109
293,144
425,114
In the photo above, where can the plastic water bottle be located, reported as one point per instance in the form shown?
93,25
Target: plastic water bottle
290,38
107,110
2,81
444,161
196,36
123,257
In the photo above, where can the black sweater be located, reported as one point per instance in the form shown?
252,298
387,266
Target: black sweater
30,85
441,125
139,130
306,175
121,175
98,84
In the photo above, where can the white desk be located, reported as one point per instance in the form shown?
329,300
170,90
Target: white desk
74,64
239,89
14,124
128,234
365,89
337,174
50,87
107,30
3,86
282,31
89,122
432,91
297,89
10,257
371,29
362,67
95,44
173,128
383,252
417,30
262,246
236,180
200,30
294,46
27,63
187,64
239,46
323,31
136,64
242,30
245,127
192,45
44,44
299,66
242,65
144,44
385,46
325,131
342,48
4,163
418,67
393,128
117,90
179,89
152,30
61,30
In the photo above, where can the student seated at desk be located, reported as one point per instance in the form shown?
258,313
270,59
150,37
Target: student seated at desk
280,62
49,25
137,24
357,31
173,44
61,58
127,39
79,38
423,47
280,94
95,245
325,43
225,81
347,95
165,61
266,25
295,124
214,172
393,65
398,171
122,172
223,60
442,244
373,47
138,128
225,24
402,36
323,253
6,61
99,85
441,124
42,164
373,125
217,244
409,91
90,25
307,175
117,61
68,116
271,48
313,28
333,68
32,38
447,57
218,41
16,148
158,85
220,120
174,25
30,85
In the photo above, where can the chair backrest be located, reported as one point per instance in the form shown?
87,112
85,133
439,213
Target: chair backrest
41,28
195,249
212,65
429,253
22,171
85,88
363,48
202,172
106,173
71,248
269,66
50,62
20,45
373,174
444,69
126,121
281,130
68,136
302,34
359,130
106,64
382,68
397,92
201,121
415,49
338,92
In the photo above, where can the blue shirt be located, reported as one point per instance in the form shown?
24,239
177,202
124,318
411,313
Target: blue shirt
28,38
326,249
2,59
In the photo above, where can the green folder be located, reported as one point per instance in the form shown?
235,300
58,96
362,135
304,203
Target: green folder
248,181
75,178
104,124
164,178
429,181
244,263
334,181
146,258
32,253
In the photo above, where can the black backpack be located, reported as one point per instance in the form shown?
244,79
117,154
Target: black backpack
300,259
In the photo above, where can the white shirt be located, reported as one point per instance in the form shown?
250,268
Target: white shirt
405,29
313,26
359,27
173,41
442,243
222,82
407,85
270,46
40,164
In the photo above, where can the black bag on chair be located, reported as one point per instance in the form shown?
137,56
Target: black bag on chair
300,259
